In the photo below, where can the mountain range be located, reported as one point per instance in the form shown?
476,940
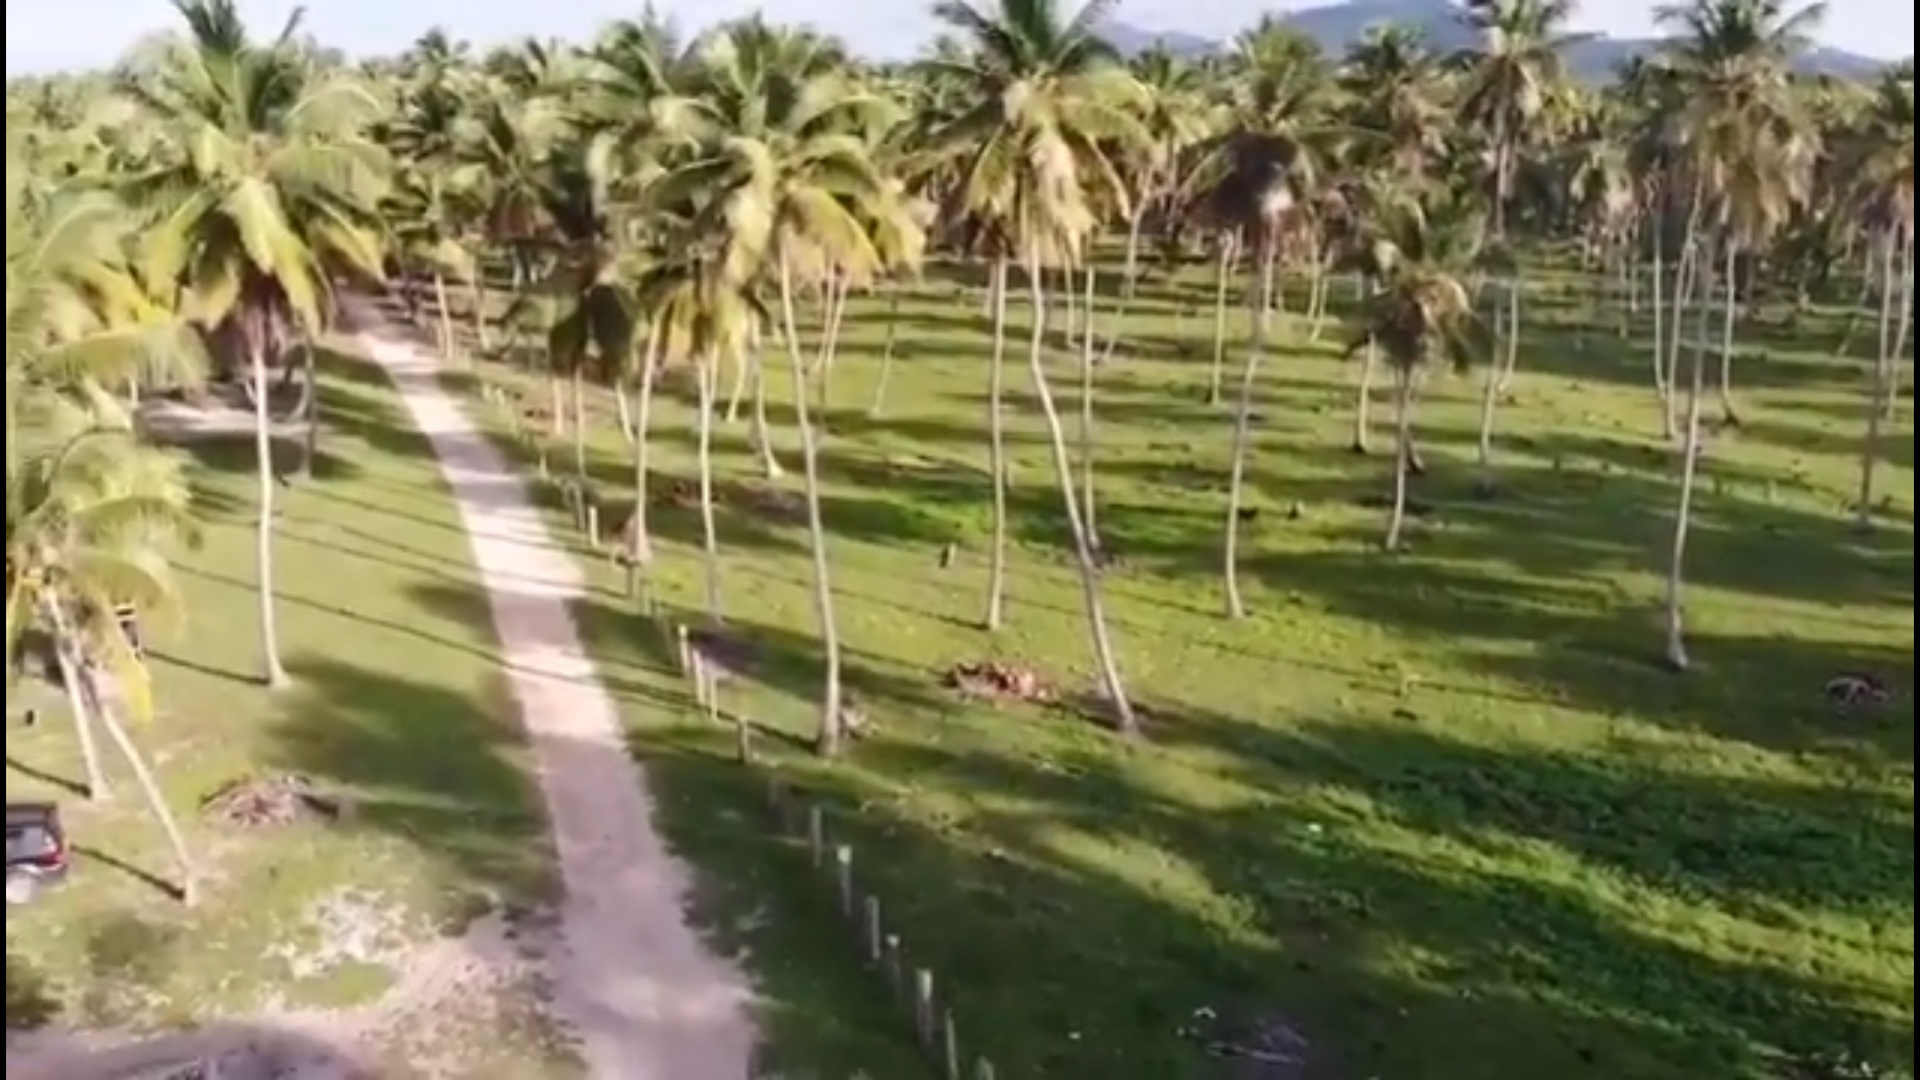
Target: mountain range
1337,27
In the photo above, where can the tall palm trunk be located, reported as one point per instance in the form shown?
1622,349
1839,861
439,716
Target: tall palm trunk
838,286
997,441
709,535
579,404
1402,450
1902,325
477,290
1882,370
1089,501
886,352
1689,471
310,439
149,789
1242,434
1490,392
1229,245
1363,398
273,673
72,663
445,314
1128,269
556,401
1684,288
639,542
1124,719
1730,297
827,740
761,432
1655,295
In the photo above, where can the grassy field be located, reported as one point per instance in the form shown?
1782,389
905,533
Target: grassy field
1441,811
396,704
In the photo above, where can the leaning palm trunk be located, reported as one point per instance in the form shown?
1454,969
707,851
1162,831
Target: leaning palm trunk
143,778
1402,450
1882,371
709,535
827,741
1124,718
1242,434
274,674
1229,243
997,441
68,657
1689,471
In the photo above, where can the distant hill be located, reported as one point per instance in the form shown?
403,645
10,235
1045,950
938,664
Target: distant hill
1337,27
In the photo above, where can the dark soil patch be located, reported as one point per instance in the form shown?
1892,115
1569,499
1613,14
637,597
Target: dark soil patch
274,800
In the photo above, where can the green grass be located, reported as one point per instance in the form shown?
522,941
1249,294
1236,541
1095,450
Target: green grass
398,704
1442,809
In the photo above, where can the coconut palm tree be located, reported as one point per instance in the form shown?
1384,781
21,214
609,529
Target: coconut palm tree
1419,251
1510,77
1881,163
271,185
91,512
1041,97
1753,146
781,179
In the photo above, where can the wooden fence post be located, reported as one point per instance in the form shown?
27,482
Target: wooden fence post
923,1006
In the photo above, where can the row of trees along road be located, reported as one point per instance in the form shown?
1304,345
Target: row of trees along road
668,202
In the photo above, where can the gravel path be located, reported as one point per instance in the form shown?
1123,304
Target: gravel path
645,997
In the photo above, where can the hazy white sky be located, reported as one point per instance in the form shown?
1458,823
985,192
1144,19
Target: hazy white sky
51,34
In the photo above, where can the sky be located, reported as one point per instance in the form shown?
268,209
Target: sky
48,35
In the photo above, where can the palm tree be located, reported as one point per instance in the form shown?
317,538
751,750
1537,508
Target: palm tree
1752,146
1419,311
1509,79
91,513
279,189
1042,98
1749,160
1881,164
780,170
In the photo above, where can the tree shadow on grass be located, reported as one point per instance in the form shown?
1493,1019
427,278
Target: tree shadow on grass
436,768
1582,352
1076,918
1823,441
1591,652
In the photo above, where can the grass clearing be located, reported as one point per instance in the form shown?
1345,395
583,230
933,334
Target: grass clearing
1442,810
397,705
